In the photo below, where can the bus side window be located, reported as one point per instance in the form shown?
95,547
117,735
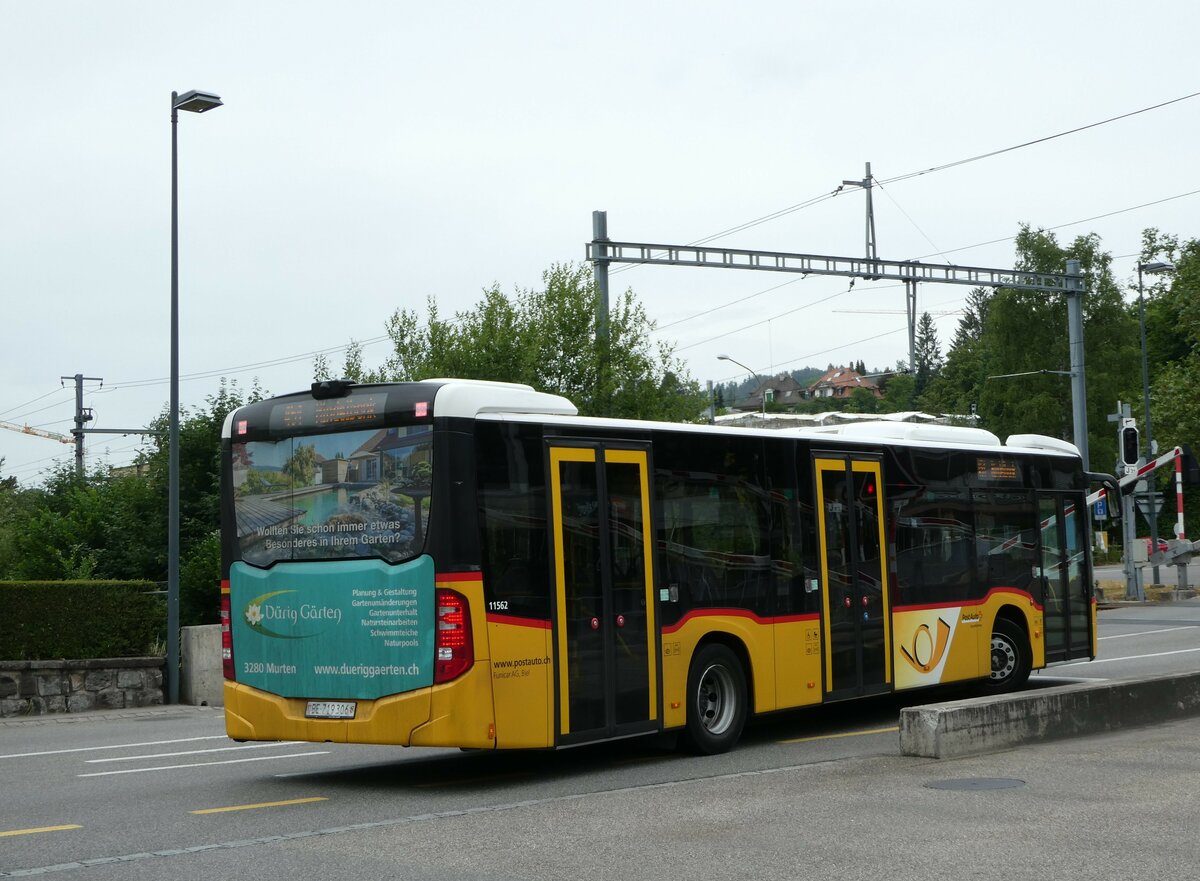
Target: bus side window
512,511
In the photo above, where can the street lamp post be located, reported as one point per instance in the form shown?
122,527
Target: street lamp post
763,395
1154,268
194,102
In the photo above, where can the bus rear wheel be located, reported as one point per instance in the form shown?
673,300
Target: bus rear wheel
1011,657
716,700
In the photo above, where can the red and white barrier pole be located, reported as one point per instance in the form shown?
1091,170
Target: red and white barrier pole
1179,497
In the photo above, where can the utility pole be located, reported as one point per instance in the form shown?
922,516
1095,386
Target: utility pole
1127,465
82,416
872,251
1073,289
910,301
600,270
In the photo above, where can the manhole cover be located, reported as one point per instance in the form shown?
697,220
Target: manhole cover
972,784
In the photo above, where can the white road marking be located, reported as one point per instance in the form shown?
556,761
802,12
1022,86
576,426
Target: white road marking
84,749
1147,632
193,752
1128,658
203,764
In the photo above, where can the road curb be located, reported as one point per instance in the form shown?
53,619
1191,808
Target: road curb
979,725
105,715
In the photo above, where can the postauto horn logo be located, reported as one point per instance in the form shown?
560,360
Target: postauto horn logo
262,616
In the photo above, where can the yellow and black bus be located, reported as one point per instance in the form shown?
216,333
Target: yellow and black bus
470,564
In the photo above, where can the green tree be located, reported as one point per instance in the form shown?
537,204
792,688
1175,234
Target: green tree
899,391
547,338
1173,349
1026,331
956,387
108,525
862,401
928,353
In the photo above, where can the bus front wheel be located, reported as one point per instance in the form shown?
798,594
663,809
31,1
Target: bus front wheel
717,701
1011,657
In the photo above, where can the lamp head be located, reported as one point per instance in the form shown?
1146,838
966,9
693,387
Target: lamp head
197,102
1156,266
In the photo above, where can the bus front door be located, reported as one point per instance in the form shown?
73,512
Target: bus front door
854,570
1066,591
606,644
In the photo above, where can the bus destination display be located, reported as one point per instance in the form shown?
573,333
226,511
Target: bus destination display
357,411
997,469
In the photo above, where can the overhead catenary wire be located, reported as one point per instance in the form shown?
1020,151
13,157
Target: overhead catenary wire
822,197
54,391
815,200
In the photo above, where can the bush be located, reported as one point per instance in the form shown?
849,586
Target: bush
73,620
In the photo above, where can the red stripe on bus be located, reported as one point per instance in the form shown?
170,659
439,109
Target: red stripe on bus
518,622
458,576
224,585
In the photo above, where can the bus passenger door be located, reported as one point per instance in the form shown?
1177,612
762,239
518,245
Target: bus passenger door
857,633
604,619
1067,597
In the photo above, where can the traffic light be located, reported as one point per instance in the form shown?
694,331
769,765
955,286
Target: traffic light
1191,468
1129,445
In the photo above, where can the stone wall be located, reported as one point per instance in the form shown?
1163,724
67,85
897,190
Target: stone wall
31,688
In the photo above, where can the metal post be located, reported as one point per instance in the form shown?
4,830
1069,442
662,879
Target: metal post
1153,518
600,271
1133,574
1074,291
78,425
872,246
173,437
194,102
910,302
712,404
81,418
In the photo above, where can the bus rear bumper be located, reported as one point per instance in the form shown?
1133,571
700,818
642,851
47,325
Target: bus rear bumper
252,714
457,714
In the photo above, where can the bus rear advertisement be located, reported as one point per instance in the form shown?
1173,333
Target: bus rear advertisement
469,564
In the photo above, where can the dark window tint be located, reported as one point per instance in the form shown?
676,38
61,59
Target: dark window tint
512,503
1006,534
934,546
714,535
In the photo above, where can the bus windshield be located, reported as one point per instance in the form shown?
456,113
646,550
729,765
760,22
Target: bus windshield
333,496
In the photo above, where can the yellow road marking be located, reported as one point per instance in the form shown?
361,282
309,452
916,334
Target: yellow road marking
843,734
38,829
265,804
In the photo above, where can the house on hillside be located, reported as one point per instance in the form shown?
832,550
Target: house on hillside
840,383
780,390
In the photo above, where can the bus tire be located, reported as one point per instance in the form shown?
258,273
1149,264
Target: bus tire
716,700
1012,659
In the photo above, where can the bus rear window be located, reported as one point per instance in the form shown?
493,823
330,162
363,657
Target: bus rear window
334,496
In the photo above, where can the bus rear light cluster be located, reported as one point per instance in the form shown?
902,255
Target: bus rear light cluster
226,637
453,646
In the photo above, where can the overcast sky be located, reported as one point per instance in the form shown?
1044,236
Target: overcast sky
371,155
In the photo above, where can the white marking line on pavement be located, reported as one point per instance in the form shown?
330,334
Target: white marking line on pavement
1127,658
194,752
203,764
1147,632
84,749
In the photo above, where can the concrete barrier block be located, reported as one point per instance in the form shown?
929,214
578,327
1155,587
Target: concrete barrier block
977,725
201,681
